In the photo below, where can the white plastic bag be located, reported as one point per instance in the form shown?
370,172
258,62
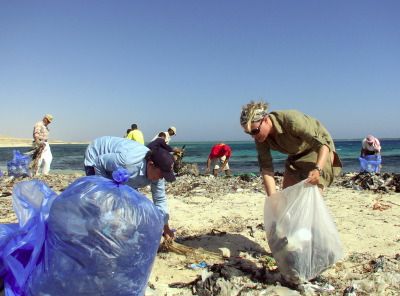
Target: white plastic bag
301,233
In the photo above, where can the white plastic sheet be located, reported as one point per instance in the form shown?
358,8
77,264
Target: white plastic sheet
301,233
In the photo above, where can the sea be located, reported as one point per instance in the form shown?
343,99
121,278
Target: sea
69,158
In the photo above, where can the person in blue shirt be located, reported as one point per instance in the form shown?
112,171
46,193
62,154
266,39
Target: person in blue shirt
145,166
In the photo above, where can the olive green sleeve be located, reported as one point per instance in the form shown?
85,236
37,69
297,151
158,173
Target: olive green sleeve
311,131
264,156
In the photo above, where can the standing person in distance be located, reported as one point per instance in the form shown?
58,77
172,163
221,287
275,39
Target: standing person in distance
42,156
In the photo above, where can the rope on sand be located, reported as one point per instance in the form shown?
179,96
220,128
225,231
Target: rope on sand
197,254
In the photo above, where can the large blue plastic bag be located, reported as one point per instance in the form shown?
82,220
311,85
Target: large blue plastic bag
102,239
19,165
370,163
301,233
21,244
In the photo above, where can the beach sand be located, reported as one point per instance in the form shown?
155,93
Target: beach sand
226,216
365,231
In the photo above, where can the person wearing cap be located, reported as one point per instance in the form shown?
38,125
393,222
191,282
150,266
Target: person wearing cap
41,154
219,159
370,146
309,146
145,166
160,142
168,134
135,134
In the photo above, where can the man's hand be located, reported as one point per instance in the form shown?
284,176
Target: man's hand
313,177
168,233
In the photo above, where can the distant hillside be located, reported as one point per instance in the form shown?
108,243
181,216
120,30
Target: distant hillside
6,141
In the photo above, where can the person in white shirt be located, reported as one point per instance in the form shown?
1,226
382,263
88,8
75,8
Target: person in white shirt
168,134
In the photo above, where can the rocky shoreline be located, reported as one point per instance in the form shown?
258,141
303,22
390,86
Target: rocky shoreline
186,185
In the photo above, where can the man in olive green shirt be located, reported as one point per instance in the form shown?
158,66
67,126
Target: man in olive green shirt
309,146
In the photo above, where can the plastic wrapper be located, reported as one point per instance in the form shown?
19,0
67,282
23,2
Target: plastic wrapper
102,239
19,165
301,233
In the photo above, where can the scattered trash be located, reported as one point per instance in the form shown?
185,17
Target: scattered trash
378,264
350,291
380,206
200,265
381,183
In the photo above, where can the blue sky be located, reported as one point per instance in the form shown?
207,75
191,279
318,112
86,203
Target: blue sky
99,66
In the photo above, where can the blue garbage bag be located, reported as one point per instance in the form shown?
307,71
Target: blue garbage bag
21,244
102,239
19,165
370,163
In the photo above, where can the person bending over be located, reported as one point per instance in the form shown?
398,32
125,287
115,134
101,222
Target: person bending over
309,146
370,146
168,134
219,159
145,167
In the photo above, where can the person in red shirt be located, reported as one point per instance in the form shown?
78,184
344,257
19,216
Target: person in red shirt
219,158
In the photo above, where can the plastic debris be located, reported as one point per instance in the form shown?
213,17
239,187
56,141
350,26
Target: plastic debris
200,265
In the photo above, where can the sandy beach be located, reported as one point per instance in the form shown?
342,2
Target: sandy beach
225,216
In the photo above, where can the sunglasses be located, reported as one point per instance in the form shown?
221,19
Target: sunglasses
255,131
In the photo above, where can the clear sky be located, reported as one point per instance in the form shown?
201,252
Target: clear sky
99,66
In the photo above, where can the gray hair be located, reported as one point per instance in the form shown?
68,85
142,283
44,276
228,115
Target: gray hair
253,112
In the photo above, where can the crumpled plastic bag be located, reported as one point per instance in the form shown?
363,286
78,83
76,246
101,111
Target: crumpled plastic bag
98,237
370,163
102,239
19,165
301,233
21,245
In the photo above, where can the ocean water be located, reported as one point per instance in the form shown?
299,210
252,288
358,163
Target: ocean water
244,158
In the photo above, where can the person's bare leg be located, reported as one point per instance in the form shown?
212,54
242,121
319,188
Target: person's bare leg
215,172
